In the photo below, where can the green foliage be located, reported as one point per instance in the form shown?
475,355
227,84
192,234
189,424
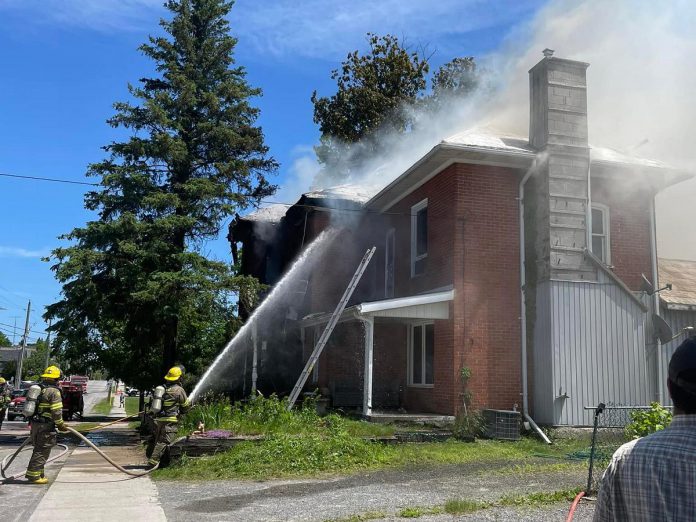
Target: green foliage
539,499
645,422
461,507
269,416
4,340
468,424
372,91
138,296
381,91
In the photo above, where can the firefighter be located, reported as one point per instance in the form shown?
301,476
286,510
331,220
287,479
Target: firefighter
48,417
174,403
5,399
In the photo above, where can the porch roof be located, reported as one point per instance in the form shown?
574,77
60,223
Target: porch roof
434,305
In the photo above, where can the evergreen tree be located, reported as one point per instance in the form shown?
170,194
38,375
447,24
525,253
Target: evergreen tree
137,294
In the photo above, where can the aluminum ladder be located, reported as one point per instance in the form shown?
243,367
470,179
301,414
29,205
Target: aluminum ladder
329,327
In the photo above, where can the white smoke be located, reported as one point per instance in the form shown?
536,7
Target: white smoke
640,95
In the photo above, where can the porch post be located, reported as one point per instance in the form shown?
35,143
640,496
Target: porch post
369,323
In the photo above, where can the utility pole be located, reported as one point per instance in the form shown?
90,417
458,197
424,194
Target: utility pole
48,344
20,361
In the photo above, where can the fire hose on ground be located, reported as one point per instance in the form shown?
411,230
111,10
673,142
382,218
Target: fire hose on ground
10,458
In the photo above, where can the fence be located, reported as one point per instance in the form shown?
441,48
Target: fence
608,434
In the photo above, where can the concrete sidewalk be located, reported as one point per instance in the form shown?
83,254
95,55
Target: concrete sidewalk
88,488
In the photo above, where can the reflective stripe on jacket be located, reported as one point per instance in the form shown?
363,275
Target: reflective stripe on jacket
49,405
174,402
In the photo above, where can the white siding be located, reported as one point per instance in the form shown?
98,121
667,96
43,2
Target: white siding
596,351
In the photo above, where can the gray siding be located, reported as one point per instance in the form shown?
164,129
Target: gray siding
677,320
596,350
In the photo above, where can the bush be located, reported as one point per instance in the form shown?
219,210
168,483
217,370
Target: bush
645,422
469,424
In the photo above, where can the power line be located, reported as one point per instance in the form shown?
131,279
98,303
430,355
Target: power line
32,331
264,201
54,180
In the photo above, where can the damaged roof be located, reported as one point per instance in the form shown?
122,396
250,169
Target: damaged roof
490,147
348,192
270,214
682,275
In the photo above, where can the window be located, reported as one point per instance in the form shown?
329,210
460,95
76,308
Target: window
600,233
419,237
421,355
389,263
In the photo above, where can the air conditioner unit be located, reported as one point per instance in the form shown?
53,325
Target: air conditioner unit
502,424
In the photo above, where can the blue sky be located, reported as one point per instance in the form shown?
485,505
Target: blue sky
65,62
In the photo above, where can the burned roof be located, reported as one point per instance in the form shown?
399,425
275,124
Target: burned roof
351,192
682,275
270,214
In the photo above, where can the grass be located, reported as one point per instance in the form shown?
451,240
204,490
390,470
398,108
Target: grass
269,416
84,426
464,506
103,407
131,405
301,443
362,517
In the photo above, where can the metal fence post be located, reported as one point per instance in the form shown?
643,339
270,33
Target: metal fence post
598,412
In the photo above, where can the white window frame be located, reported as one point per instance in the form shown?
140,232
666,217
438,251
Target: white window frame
411,329
414,235
606,222
389,246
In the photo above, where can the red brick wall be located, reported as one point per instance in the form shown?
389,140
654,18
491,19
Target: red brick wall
487,302
629,228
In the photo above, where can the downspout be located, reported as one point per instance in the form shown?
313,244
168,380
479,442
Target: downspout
523,308
656,297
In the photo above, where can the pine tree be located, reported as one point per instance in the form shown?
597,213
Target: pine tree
137,294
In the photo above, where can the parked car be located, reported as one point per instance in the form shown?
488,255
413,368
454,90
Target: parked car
16,407
132,392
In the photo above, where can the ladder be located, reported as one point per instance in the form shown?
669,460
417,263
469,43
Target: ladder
329,327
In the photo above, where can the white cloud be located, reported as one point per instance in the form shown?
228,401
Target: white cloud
328,28
98,15
309,28
8,251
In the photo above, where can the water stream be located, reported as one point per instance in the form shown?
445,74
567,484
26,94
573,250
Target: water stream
281,295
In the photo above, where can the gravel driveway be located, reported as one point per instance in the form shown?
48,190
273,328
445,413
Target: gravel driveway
384,491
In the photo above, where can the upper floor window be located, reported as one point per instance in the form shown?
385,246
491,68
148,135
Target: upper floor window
600,233
419,237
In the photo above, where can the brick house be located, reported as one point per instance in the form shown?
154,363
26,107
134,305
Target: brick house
518,260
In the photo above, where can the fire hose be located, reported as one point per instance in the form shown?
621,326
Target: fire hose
10,458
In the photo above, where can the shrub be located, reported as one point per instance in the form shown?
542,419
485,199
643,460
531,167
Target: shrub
645,422
468,424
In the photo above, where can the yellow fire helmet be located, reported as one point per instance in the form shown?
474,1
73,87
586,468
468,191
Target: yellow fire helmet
174,374
2,380
52,372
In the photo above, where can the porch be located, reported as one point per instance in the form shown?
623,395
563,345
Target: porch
406,349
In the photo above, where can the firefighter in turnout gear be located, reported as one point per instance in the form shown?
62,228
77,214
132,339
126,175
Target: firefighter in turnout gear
5,398
174,401
47,417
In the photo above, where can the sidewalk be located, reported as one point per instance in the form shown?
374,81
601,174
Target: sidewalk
88,488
